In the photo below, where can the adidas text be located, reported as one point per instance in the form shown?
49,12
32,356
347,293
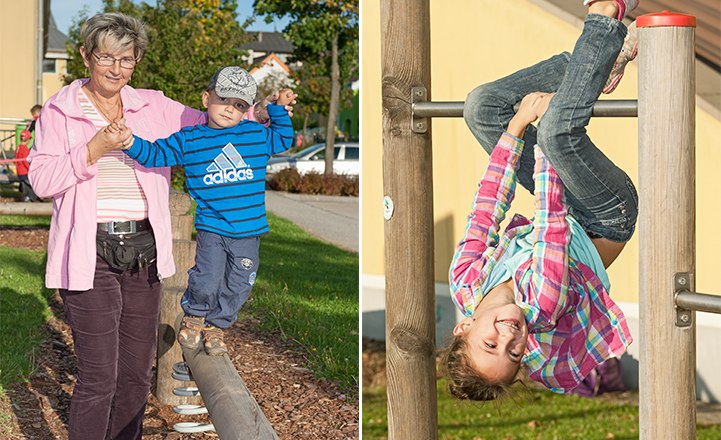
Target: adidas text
228,176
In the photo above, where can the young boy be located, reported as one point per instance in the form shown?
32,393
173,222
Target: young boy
224,163
22,167
35,113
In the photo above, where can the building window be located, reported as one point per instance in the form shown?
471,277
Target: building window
48,65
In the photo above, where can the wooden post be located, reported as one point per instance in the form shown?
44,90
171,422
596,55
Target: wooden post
26,208
666,124
408,200
233,410
168,349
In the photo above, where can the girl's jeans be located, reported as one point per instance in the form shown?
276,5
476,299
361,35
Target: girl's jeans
115,332
598,193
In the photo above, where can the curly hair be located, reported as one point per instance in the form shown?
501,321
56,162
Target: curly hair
115,28
464,382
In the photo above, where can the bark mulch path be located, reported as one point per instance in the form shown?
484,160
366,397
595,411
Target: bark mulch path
297,404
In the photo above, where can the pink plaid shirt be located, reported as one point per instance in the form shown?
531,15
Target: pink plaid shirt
573,323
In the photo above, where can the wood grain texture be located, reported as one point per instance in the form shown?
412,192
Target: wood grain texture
184,257
666,122
168,352
408,181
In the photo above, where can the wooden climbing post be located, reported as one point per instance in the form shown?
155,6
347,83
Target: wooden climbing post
169,351
666,125
408,211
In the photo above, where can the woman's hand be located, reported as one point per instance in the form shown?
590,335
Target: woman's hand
113,137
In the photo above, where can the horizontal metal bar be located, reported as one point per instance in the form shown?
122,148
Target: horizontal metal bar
698,301
454,109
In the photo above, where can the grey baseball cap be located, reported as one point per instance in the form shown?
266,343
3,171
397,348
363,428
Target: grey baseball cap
234,82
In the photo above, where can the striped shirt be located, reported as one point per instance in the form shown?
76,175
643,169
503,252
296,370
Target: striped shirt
573,323
224,169
120,196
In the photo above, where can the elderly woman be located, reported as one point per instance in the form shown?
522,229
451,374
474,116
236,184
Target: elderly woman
110,238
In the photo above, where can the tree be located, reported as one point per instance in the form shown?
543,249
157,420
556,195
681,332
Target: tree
273,82
325,36
189,41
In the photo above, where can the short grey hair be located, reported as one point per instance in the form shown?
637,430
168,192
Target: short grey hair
116,30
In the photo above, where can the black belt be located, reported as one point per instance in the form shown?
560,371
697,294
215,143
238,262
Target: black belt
126,227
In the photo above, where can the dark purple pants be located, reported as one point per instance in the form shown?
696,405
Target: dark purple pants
115,332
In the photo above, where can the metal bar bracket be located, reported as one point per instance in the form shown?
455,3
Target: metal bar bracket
418,124
682,282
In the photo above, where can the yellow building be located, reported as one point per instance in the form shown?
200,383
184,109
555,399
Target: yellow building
477,41
33,54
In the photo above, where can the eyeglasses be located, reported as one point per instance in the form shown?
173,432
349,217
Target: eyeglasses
107,61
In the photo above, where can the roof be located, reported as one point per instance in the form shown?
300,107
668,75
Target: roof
56,39
269,42
270,58
708,24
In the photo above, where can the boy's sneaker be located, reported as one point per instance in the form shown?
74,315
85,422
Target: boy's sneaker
628,53
213,341
624,7
190,328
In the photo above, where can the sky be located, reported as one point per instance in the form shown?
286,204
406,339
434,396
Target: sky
64,11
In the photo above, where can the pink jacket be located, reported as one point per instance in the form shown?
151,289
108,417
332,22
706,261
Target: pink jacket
58,169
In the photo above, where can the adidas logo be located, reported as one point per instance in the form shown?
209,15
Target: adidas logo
229,166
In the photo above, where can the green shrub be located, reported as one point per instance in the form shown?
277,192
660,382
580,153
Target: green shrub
285,180
290,180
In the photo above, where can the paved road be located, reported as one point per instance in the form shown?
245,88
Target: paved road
330,218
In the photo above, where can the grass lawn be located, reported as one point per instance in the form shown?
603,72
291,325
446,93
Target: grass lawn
531,414
23,310
309,290
306,288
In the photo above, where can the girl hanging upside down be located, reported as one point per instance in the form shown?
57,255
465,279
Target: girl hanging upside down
536,294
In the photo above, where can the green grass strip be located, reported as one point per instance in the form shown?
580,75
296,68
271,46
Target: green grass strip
308,290
25,220
23,310
529,415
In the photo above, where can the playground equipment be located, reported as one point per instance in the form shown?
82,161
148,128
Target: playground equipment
233,410
666,228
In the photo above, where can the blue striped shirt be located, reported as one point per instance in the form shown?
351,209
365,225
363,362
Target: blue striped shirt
224,169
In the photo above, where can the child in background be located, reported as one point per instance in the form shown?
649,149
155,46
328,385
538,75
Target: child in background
22,166
224,163
536,294
35,113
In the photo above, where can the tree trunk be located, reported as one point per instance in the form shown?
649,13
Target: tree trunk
305,131
333,107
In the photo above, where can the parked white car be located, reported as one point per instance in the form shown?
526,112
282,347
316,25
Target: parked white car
345,160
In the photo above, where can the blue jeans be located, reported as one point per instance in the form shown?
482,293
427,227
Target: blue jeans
598,193
222,278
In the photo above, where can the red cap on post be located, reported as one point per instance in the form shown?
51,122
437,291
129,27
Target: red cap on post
666,18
